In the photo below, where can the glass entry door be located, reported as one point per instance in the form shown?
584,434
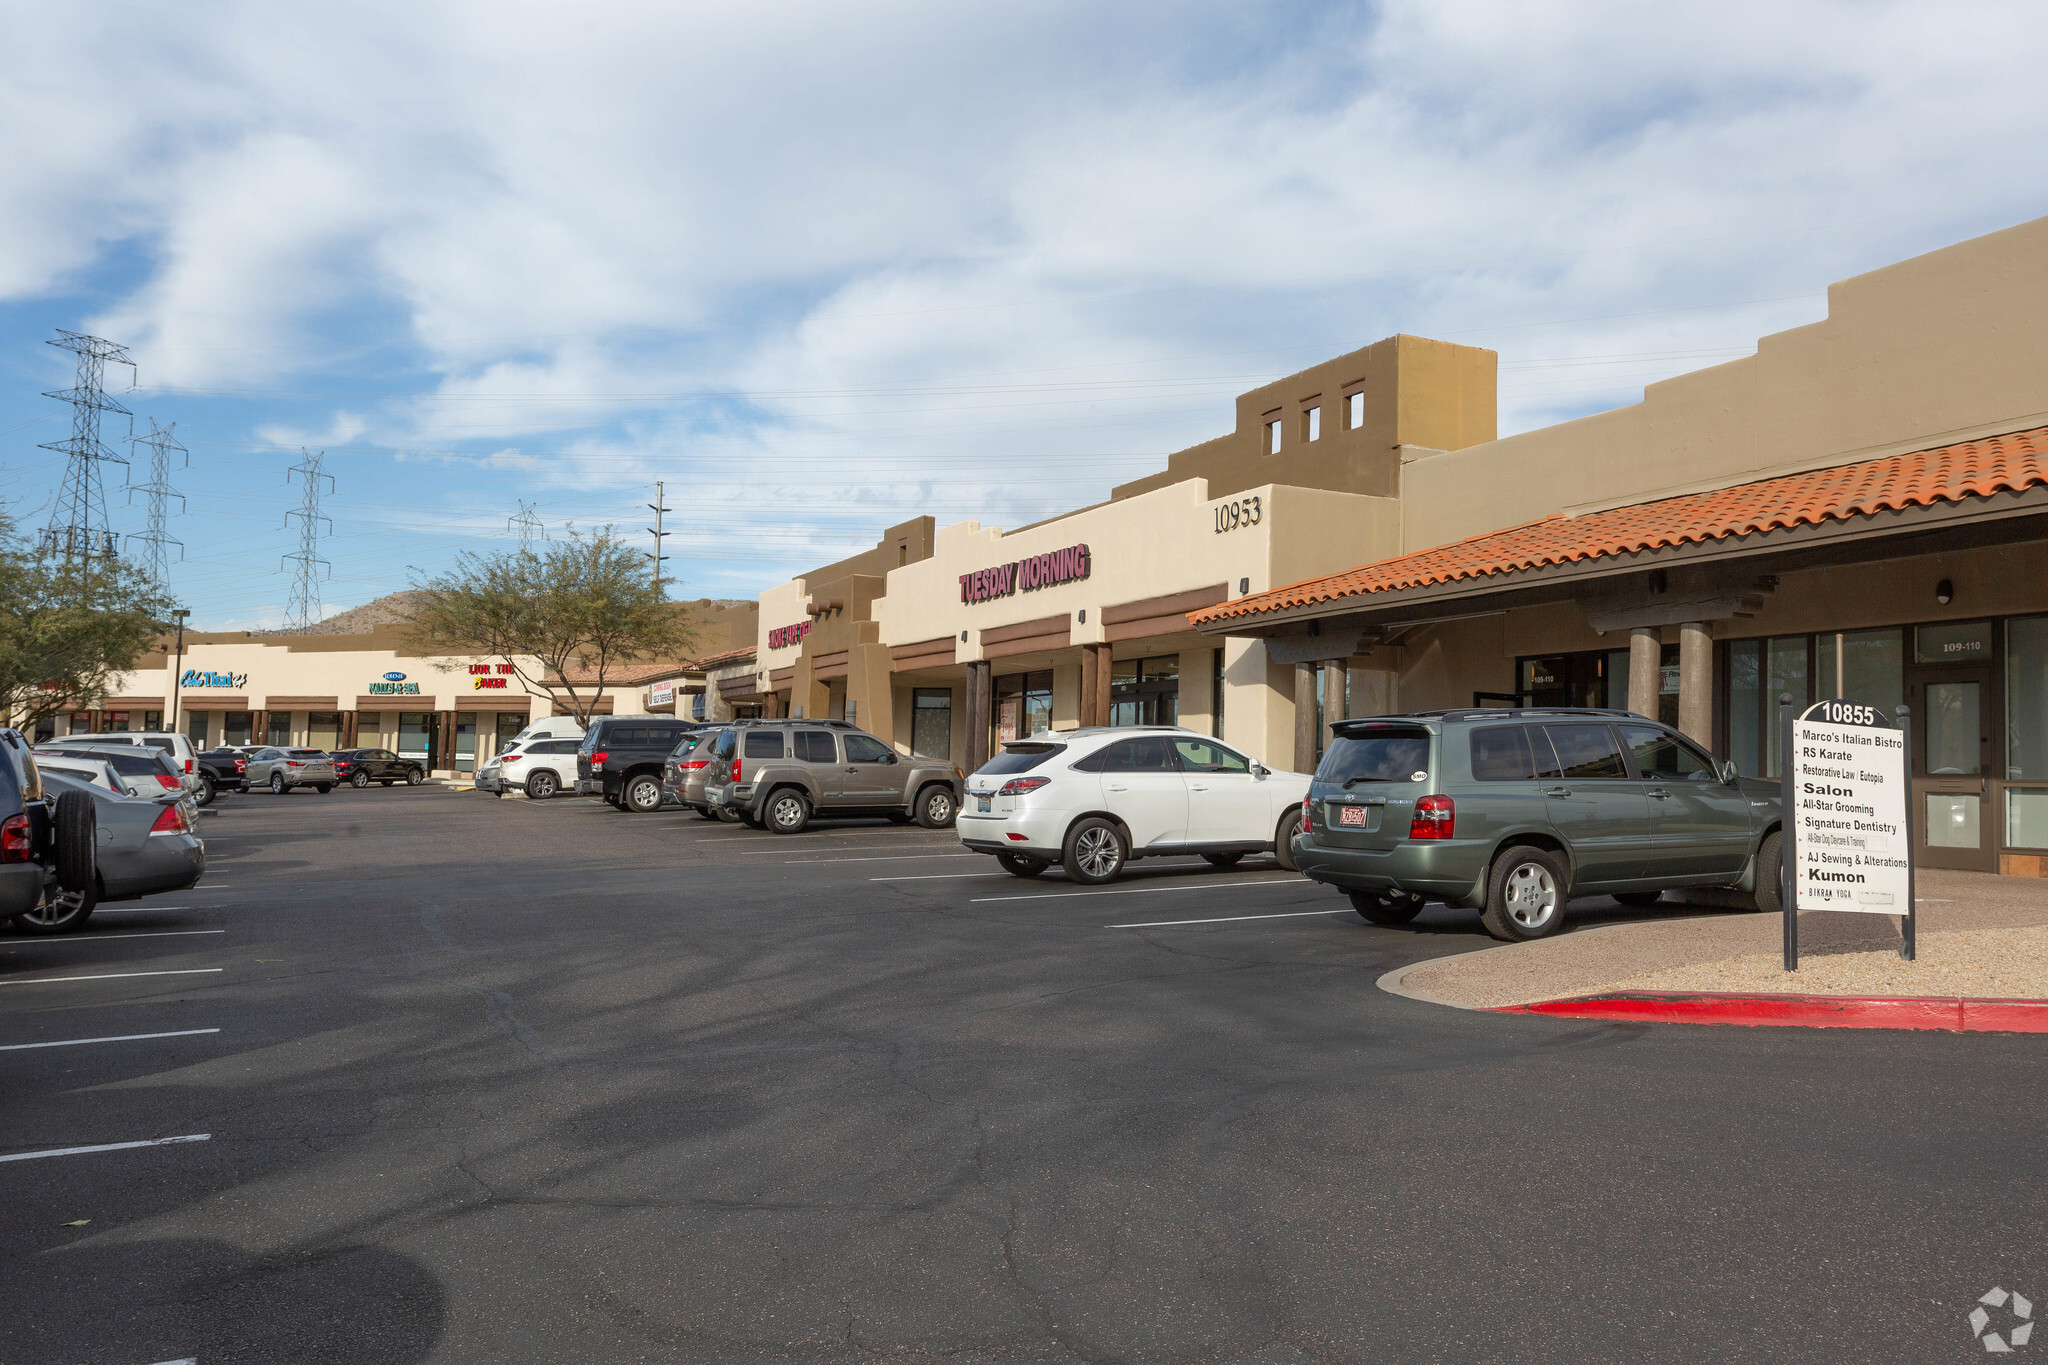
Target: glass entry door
1954,710
416,736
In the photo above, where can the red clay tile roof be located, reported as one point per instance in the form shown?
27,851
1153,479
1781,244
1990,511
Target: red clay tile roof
1972,469
744,654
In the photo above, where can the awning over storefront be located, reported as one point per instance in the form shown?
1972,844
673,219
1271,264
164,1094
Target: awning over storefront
1975,490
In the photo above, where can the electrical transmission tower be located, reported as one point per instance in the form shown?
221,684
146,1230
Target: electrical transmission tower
78,529
528,526
660,509
304,609
162,444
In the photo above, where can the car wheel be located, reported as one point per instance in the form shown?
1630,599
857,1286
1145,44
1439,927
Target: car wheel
1021,864
323,787
1389,910
277,787
936,807
207,790
59,911
77,830
361,780
1525,895
1095,851
643,796
1770,874
788,812
1640,900
541,785
1223,859
1283,839
415,776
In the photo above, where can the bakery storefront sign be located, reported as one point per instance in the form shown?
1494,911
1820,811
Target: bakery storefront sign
1026,575
488,677
788,637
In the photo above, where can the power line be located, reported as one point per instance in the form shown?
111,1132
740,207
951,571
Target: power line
78,528
156,561
304,608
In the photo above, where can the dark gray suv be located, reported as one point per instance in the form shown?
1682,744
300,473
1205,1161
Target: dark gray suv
1514,812
781,773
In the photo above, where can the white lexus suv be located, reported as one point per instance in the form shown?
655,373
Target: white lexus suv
1092,800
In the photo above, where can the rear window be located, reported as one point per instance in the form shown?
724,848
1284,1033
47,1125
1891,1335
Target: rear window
765,744
309,753
816,746
129,764
1020,758
726,745
1378,754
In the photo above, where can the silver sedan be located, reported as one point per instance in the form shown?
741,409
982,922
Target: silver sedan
146,845
282,769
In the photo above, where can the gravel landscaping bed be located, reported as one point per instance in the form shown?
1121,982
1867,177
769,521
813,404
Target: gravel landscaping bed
1982,964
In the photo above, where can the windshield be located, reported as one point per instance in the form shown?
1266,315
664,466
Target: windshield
1020,758
1380,753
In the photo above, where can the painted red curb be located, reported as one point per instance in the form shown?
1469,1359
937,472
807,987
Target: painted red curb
1947,1014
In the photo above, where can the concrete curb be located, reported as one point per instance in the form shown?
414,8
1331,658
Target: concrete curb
1948,1014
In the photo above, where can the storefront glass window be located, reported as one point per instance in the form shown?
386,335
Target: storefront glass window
196,727
415,733
1873,667
1145,691
323,730
280,731
510,723
1759,672
1023,705
2026,700
118,722
465,741
369,729
237,728
2026,817
153,720
931,722
1953,729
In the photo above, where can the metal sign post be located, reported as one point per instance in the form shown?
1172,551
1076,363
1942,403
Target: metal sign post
1848,836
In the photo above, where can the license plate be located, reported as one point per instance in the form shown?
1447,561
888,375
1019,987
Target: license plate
1351,815
983,804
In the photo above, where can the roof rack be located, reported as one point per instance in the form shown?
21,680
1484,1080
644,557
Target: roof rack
1500,713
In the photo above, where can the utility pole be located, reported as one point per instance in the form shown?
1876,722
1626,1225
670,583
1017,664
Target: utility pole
161,444
78,528
304,609
528,526
655,530
178,668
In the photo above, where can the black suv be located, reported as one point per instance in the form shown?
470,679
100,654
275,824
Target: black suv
361,767
621,758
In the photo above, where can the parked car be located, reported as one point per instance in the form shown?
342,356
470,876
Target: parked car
689,764
222,770
96,771
781,773
1516,811
282,769
361,767
539,767
620,759
144,846
550,727
1097,799
178,746
48,844
142,770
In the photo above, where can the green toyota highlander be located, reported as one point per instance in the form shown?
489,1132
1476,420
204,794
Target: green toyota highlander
1513,812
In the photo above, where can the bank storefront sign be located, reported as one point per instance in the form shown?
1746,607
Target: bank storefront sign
206,677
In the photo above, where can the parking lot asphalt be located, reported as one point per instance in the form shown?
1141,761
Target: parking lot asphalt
470,1080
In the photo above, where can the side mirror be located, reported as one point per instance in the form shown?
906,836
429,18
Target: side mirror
1729,772
1261,770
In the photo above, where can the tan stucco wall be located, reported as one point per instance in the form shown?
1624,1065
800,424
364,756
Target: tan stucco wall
1937,349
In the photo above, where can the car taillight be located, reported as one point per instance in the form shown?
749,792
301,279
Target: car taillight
170,783
241,764
694,764
1436,817
597,760
17,839
1017,786
291,763
511,758
188,765
171,820
735,770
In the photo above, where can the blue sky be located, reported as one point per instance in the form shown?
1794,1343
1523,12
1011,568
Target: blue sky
824,267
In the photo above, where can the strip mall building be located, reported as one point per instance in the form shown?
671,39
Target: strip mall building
1860,508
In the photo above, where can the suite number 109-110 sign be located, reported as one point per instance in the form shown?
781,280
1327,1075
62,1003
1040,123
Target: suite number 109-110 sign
1848,832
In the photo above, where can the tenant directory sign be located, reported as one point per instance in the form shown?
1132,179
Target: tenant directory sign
1852,846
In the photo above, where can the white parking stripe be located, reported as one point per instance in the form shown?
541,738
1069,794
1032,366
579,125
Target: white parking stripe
110,976
896,858
1302,882
119,1038
821,848
108,1147
939,877
100,938
1225,919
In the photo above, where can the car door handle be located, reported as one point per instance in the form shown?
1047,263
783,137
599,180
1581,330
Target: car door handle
1659,794
1116,786
1198,786
1557,791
